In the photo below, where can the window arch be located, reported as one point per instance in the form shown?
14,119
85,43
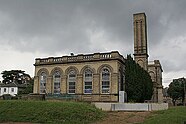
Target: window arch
105,76
43,78
152,75
42,70
71,82
88,81
141,63
57,82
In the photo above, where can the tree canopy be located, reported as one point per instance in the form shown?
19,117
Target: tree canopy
29,87
176,89
20,78
139,86
16,76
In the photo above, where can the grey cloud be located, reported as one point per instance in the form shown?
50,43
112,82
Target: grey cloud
63,26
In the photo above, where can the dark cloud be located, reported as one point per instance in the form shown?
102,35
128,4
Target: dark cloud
85,26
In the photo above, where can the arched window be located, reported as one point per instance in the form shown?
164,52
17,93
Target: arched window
43,82
57,81
141,63
88,81
71,82
105,81
152,75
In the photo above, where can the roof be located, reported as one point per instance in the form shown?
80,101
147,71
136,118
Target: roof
8,85
21,85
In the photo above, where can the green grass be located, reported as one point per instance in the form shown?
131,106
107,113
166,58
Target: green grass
48,112
174,115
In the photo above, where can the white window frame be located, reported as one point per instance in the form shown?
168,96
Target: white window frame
72,80
12,90
42,82
106,81
57,82
88,79
4,90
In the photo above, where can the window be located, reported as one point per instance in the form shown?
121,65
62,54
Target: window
57,81
105,81
88,81
43,82
4,89
71,82
12,89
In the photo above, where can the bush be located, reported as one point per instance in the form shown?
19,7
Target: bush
7,97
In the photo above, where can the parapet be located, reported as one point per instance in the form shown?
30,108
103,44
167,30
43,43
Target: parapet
80,58
155,63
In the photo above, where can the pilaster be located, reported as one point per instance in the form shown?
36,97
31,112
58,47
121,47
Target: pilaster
49,85
96,84
79,84
64,84
114,83
36,84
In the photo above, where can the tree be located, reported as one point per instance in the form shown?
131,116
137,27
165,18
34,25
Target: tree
176,90
16,76
139,86
29,88
20,78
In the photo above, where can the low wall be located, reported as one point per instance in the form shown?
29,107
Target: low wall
104,106
35,96
159,106
131,106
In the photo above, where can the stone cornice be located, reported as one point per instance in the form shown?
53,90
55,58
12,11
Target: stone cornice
114,55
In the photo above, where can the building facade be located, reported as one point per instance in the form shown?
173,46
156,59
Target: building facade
154,68
11,89
92,77
98,76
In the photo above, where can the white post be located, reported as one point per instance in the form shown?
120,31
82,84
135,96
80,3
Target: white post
121,96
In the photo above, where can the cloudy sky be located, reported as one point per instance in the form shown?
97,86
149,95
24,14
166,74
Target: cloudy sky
32,29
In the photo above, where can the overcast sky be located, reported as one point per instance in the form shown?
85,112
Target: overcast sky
32,29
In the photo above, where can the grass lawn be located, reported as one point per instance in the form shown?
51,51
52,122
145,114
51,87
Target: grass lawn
174,115
48,112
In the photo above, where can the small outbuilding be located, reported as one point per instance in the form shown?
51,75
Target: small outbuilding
11,89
